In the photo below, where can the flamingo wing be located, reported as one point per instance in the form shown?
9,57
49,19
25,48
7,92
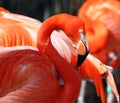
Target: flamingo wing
27,73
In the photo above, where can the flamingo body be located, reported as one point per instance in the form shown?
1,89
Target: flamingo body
26,73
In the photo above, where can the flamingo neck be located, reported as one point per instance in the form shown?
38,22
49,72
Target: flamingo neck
68,23
69,75
66,70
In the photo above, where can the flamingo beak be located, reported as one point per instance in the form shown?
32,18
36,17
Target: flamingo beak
83,48
81,58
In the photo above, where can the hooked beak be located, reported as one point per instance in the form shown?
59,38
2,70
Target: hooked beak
82,56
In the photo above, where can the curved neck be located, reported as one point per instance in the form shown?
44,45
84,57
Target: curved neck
66,70
96,35
69,75
68,23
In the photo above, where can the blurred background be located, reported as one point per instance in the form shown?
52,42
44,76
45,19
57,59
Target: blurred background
41,10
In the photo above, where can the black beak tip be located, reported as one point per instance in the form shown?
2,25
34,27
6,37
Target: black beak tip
81,59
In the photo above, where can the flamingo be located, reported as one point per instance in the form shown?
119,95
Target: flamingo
18,19
47,84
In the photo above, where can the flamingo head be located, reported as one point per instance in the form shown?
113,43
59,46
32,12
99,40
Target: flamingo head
77,34
80,44
73,27
68,50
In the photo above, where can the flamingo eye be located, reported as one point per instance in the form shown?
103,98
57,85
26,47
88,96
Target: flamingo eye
83,48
